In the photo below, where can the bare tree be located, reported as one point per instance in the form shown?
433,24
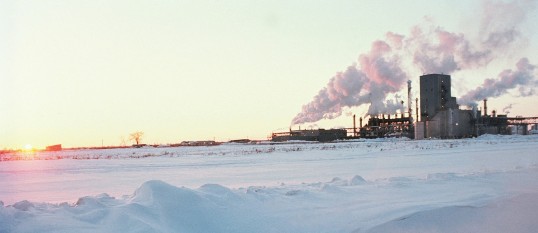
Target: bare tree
136,136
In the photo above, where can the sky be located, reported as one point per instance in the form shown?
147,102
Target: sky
89,73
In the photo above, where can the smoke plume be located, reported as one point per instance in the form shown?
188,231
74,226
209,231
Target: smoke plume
522,78
377,74
506,109
431,49
341,91
439,51
500,21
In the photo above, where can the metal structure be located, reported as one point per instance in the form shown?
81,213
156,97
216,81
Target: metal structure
379,126
409,100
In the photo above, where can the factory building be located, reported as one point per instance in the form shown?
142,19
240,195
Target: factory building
440,117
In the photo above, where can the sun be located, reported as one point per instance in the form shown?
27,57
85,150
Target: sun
28,147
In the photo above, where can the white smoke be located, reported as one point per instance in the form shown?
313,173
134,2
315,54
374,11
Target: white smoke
506,109
436,50
377,74
523,78
500,21
431,49
341,91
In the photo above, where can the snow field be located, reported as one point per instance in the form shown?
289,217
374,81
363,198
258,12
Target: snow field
372,185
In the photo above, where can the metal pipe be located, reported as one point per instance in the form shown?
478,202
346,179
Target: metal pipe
416,107
409,103
485,107
354,127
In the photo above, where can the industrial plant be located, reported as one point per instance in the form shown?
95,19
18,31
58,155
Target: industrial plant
439,116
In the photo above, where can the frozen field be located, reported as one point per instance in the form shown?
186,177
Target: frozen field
487,184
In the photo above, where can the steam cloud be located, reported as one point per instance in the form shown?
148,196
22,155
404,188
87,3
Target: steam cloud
381,74
500,20
431,49
523,78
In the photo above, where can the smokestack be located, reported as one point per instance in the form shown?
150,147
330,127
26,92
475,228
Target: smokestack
485,107
403,111
416,106
354,127
409,103
360,122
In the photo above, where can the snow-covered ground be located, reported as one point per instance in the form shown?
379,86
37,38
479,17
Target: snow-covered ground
487,184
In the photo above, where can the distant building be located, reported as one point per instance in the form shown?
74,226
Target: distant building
320,135
199,143
240,141
57,147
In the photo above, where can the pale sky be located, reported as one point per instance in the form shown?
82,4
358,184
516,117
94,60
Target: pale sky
82,73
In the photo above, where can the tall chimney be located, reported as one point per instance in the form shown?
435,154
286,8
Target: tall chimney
485,107
354,127
416,106
360,122
409,103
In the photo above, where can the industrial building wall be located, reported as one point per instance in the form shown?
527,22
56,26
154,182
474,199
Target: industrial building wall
459,123
464,126
419,130
519,129
451,123
433,129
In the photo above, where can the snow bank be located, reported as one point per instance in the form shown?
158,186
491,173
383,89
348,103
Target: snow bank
517,214
398,204
154,207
